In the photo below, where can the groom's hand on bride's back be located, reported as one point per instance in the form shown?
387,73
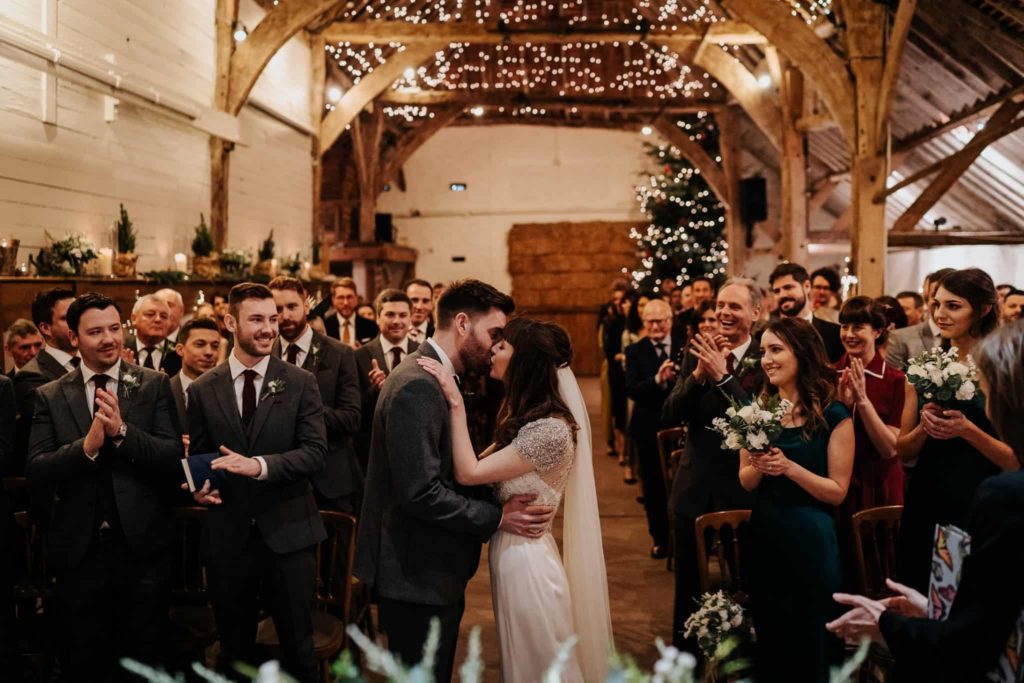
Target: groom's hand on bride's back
521,517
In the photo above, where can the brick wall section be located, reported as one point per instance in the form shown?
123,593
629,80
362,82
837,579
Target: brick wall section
562,272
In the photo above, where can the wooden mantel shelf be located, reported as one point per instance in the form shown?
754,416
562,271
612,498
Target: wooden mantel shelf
391,253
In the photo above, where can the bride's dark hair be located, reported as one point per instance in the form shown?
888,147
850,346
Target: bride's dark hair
539,349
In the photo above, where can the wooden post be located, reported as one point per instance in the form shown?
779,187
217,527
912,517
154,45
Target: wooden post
735,234
318,84
220,150
366,134
793,241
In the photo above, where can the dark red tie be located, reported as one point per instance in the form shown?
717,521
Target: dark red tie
248,396
293,354
730,363
396,356
100,382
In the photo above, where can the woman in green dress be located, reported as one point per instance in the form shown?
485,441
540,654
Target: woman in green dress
794,568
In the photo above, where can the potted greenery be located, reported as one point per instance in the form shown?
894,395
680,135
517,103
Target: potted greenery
267,264
205,261
126,259
68,256
234,264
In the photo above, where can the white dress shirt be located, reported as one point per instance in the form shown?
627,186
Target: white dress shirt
304,341
62,357
445,360
386,346
238,378
418,333
157,355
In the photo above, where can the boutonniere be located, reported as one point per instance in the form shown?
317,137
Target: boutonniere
314,352
272,388
130,381
749,363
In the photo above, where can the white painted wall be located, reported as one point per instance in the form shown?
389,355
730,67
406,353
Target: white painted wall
905,270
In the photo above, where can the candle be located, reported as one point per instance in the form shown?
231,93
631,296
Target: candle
304,270
104,261
181,262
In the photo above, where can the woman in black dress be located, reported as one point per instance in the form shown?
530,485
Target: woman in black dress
955,447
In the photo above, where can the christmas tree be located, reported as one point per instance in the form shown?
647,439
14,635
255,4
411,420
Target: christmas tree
685,236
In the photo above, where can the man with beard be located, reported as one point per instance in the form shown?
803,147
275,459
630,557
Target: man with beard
706,480
199,348
341,321
376,360
151,318
106,442
421,296
792,288
265,418
333,364
420,532
1013,304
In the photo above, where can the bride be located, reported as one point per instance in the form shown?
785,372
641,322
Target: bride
542,447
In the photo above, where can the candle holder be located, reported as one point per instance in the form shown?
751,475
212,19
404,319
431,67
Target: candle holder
8,256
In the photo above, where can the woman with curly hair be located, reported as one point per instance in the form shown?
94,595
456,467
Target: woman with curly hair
795,565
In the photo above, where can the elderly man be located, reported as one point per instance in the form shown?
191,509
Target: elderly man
650,373
23,341
151,318
174,302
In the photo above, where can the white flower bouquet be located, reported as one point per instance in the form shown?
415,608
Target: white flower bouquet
939,376
753,426
718,619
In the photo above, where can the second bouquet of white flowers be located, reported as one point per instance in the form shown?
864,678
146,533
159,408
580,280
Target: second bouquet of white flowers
940,376
753,426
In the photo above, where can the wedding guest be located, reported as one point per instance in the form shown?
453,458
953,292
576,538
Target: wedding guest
612,328
705,320
706,480
979,639
955,445
265,417
650,371
913,307
106,440
206,310
198,345
609,311
675,300
1012,305
421,295
825,286
176,306
341,322
151,319
220,307
366,311
794,554
686,298
913,340
339,485
11,553
23,341
895,317
378,359
792,288
666,287
1002,290
702,289
439,288
632,332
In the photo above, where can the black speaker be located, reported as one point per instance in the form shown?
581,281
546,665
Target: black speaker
383,230
753,200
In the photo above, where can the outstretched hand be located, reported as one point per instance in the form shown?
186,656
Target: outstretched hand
520,517
447,382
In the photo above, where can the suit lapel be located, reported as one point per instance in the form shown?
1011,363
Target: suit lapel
73,389
377,353
311,362
224,389
126,397
263,405
51,366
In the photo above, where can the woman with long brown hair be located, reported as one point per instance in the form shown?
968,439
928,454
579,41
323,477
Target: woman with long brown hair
542,448
794,564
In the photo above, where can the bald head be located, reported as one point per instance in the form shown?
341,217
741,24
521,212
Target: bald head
657,319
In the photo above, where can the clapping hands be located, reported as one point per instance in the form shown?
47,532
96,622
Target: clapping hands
862,620
852,385
710,352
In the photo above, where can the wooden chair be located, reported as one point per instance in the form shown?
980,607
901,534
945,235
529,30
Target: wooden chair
670,444
193,626
725,547
874,538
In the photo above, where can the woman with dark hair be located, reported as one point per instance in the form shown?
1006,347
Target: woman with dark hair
542,448
895,316
874,392
794,565
980,639
704,320
955,447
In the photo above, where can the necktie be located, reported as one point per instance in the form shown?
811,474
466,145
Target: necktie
662,354
148,363
346,333
396,356
248,396
293,354
99,382
75,361
730,363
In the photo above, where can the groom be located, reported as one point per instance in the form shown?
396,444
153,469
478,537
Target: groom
420,532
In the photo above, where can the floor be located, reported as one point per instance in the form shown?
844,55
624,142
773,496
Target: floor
641,590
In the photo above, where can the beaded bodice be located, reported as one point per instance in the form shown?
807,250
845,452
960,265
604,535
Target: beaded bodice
548,444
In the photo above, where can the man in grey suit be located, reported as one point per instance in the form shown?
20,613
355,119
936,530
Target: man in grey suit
420,533
340,484
198,347
910,341
106,440
264,416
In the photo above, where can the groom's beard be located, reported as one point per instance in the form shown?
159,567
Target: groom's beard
475,356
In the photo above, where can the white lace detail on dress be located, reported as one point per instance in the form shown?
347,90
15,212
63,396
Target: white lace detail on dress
547,443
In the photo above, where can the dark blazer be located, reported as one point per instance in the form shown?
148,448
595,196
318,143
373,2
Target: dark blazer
989,599
641,369
365,331
179,400
143,472
707,478
365,355
288,431
829,333
37,372
170,361
908,342
334,366
8,410
420,532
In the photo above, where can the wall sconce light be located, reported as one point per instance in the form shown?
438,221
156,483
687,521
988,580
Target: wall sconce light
239,31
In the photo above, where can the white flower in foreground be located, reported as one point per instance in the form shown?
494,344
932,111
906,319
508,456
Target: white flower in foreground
966,391
757,441
747,413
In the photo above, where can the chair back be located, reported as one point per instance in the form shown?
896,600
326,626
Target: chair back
670,446
188,583
874,540
722,535
335,558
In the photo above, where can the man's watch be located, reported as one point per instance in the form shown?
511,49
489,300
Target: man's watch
121,432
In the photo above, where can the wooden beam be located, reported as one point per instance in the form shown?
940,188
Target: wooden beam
713,174
980,109
897,41
220,151
396,157
815,122
928,238
1003,122
820,195
366,134
365,91
427,98
736,236
318,84
275,29
809,53
793,175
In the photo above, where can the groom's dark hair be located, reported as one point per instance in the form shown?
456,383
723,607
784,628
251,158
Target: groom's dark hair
473,298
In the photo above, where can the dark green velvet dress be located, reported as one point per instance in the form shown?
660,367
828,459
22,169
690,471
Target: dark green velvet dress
795,566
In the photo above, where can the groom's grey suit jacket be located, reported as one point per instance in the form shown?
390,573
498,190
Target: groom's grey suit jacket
420,532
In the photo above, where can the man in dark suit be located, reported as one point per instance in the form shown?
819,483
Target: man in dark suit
265,417
106,440
198,347
792,288
341,321
9,539
376,360
707,480
58,356
340,484
421,296
421,532
650,371
151,318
